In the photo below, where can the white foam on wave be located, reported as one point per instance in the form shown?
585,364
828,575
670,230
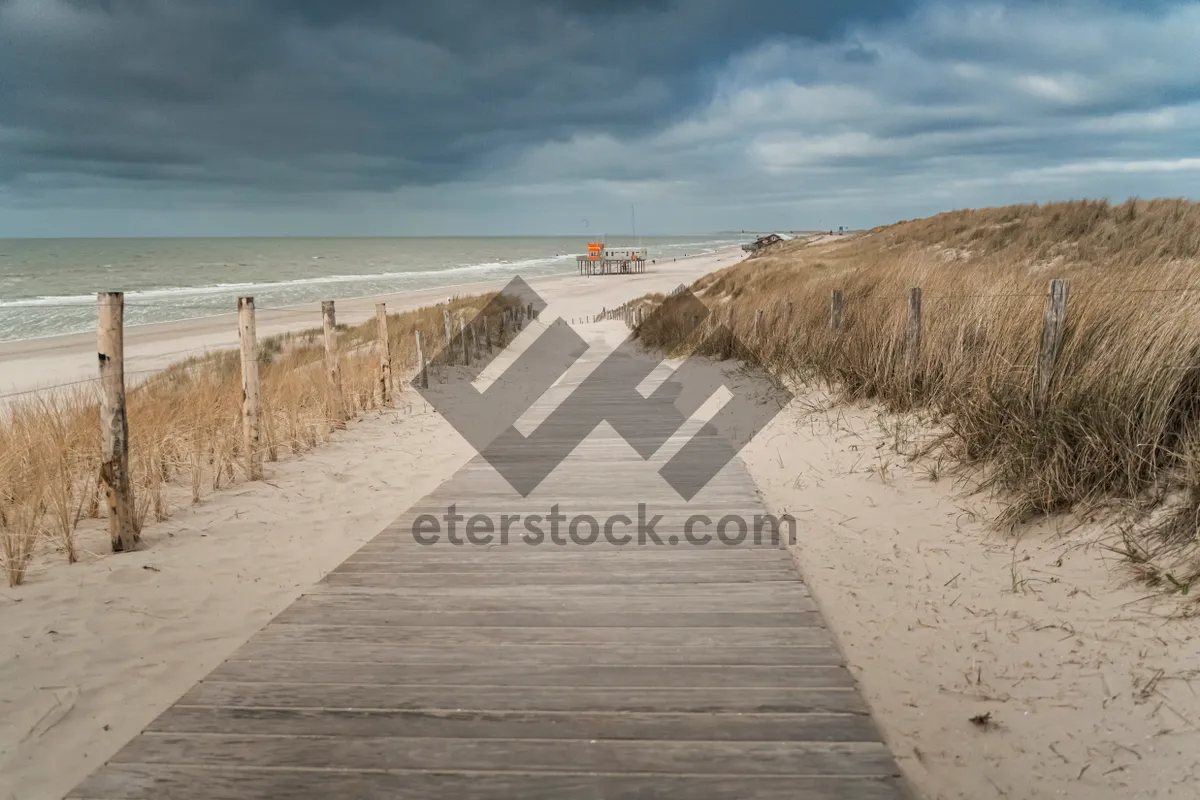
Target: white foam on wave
502,266
52,315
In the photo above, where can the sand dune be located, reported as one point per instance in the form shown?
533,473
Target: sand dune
1086,690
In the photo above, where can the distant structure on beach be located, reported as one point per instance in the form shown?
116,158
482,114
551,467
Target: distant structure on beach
605,260
767,241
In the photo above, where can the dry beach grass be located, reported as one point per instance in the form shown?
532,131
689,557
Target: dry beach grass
186,430
1121,424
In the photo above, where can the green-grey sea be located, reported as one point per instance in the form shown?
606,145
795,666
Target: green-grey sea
48,286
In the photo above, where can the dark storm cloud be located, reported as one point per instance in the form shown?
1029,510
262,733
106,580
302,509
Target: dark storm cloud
486,115
303,94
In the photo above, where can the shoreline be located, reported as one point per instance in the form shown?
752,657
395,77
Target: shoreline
29,366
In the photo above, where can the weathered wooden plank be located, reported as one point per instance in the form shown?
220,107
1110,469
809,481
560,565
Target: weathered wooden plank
669,520
621,536
704,514
578,568
681,557
737,596
156,782
542,698
714,505
468,637
362,753
598,557
616,655
553,578
492,561
668,542
821,727
477,597
616,608
504,674
534,617
702,517
575,495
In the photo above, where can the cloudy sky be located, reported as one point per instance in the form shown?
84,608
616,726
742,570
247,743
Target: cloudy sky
344,117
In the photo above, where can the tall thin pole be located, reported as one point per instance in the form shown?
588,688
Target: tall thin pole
251,413
422,367
462,334
114,424
329,323
1054,327
837,303
386,387
912,349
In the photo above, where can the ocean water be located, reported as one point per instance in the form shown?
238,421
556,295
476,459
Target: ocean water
48,286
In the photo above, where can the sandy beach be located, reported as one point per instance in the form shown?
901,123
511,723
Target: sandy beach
33,364
1077,685
996,667
95,650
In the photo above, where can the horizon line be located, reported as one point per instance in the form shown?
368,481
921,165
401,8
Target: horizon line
384,236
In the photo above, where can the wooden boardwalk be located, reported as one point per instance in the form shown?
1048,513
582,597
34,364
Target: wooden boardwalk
472,672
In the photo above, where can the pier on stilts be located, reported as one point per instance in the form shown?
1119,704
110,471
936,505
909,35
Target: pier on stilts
604,260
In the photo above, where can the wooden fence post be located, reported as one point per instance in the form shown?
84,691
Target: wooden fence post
251,409
462,334
757,322
114,424
837,303
1054,326
487,333
912,344
329,323
448,352
386,386
423,374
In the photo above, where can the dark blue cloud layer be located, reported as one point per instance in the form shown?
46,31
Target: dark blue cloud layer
478,111
149,89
